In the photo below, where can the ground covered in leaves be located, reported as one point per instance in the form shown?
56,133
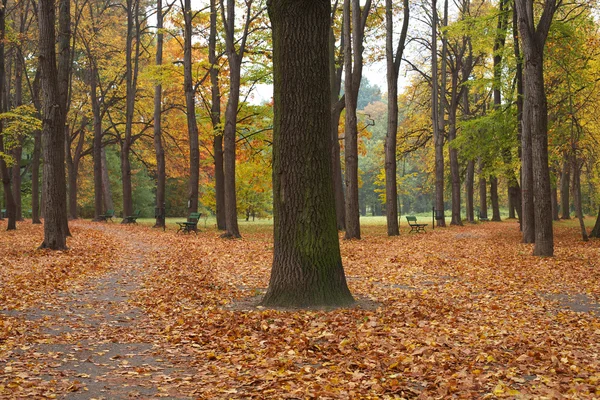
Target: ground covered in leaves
460,313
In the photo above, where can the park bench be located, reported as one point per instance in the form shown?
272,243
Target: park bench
108,216
191,224
414,226
132,219
481,217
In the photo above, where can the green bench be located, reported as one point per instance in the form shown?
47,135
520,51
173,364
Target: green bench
108,216
191,224
414,226
132,219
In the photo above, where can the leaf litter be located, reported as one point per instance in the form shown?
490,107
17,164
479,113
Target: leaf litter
463,312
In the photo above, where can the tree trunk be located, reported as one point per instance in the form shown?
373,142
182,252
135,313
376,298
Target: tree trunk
215,115
131,73
159,151
190,104
577,195
595,233
554,194
535,118
470,183
565,185
35,178
54,85
438,137
494,198
482,193
97,146
454,168
106,190
354,27
337,105
307,268
17,154
393,67
511,206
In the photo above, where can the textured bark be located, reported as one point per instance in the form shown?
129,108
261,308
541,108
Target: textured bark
161,175
106,190
190,108
595,233
354,28
577,195
18,150
35,178
535,118
511,206
438,136
337,105
565,185
482,194
73,159
97,145
131,75
215,116
307,268
494,198
469,184
54,84
4,169
554,194
514,193
393,68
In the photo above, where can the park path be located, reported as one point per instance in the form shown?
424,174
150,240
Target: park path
92,342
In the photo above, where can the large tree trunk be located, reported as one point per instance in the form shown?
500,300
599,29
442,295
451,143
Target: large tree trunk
565,185
535,118
190,106
18,150
516,190
393,67
307,268
159,151
215,116
54,85
454,168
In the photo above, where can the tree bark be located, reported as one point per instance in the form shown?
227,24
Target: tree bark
535,118
577,194
554,194
307,268
393,68
482,193
54,85
97,145
215,115
565,186
470,183
106,190
494,198
190,103
595,233
35,178
159,151
438,136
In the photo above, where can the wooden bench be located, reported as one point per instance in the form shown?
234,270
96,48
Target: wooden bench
480,217
108,216
132,219
414,227
191,224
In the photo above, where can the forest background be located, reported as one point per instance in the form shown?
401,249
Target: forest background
203,59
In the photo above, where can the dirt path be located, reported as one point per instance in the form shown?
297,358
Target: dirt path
91,342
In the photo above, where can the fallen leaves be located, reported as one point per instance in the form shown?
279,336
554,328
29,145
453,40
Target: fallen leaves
462,312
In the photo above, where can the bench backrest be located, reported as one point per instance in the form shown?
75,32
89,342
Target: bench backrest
194,217
110,212
411,218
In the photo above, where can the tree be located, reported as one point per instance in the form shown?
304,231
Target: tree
535,118
307,268
355,20
190,108
54,84
159,151
393,68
